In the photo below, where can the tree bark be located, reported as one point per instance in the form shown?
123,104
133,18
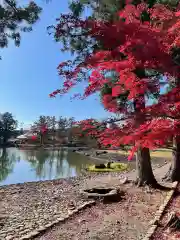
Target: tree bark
145,174
41,139
173,173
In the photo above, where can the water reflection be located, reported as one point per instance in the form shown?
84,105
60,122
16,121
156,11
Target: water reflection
48,163
18,166
7,163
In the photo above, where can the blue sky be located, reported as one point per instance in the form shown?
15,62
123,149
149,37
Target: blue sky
29,74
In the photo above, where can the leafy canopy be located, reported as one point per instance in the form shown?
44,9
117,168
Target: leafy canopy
15,19
137,50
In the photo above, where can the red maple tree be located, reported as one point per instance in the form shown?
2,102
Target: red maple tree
138,49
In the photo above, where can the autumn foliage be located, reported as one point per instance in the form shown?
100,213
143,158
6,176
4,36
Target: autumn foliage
143,40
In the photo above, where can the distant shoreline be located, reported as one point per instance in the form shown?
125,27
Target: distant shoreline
45,146
49,147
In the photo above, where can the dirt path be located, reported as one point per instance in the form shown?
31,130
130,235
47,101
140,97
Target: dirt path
25,208
128,219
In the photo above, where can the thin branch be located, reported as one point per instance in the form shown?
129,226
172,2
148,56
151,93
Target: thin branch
118,119
11,5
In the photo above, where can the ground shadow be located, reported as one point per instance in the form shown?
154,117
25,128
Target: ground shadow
162,187
114,199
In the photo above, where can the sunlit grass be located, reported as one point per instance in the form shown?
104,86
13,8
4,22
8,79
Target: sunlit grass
160,153
166,153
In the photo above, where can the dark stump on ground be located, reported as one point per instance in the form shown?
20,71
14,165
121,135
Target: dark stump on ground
106,194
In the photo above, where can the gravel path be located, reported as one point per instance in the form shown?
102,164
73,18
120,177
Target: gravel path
27,207
127,219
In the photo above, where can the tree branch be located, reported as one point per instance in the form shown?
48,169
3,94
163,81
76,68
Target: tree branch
11,5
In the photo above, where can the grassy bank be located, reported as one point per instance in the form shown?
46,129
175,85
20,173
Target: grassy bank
160,153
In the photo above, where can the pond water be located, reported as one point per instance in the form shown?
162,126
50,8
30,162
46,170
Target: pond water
18,166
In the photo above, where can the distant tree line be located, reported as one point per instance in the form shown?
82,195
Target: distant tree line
52,127
48,129
8,126
57,129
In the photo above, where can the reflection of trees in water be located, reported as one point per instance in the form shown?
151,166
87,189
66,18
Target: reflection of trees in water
43,162
76,161
37,160
30,155
7,163
59,162
46,164
54,164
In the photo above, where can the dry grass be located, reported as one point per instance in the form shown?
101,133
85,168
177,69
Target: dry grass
160,153
164,153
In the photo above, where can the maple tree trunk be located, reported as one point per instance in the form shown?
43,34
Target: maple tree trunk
173,173
145,174
41,139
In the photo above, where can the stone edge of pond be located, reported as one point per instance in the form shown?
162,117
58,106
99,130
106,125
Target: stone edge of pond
159,212
58,220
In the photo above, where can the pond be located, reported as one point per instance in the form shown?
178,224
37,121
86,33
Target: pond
18,166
